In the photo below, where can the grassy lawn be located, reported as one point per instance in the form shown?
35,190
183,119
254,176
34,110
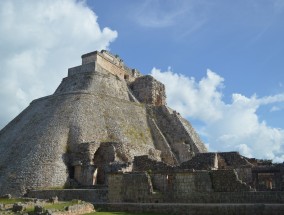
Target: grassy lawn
59,206
10,201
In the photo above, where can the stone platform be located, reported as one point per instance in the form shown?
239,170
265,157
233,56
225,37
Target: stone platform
195,209
88,195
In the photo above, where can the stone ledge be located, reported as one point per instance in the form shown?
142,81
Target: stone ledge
196,209
88,195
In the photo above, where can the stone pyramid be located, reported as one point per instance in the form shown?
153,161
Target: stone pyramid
100,117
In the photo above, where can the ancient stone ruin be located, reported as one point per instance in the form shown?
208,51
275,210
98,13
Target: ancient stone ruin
100,117
108,132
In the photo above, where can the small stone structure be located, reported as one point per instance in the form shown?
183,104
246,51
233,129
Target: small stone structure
155,182
215,186
268,177
257,175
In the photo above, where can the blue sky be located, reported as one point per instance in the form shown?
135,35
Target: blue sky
221,61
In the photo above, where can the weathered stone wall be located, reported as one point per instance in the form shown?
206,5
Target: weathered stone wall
88,68
201,161
223,160
172,181
111,67
129,187
196,142
184,187
233,160
186,184
53,126
160,182
115,186
238,197
245,175
90,167
33,158
83,208
227,181
148,90
108,62
268,177
137,183
161,142
94,83
145,163
180,136
89,195
89,57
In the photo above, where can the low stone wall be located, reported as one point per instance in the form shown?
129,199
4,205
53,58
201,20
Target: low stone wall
271,197
196,209
234,159
76,209
186,184
134,187
185,187
145,163
227,181
88,195
201,161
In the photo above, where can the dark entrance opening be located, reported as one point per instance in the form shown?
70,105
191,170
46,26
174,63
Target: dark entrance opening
71,172
101,176
102,159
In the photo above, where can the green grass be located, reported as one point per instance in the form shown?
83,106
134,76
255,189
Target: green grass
11,201
59,206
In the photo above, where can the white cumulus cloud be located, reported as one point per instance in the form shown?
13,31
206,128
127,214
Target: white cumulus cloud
201,100
39,40
227,126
